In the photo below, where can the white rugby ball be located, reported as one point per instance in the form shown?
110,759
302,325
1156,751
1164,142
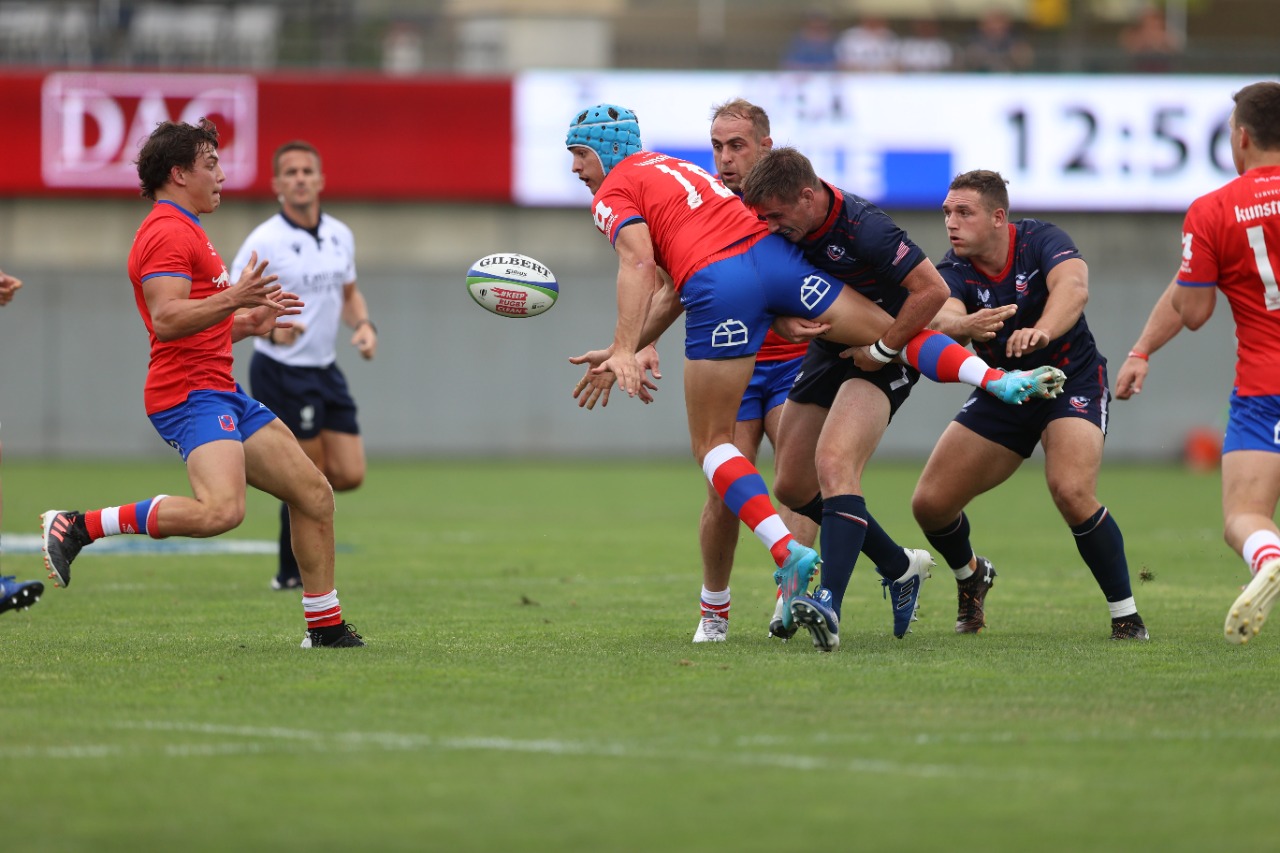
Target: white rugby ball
512,285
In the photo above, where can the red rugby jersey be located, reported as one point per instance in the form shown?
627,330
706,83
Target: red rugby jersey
171,242
1231,239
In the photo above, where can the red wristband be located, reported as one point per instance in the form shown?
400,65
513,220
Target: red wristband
1133,353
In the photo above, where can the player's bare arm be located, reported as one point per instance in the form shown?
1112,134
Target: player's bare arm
355,313
594,387
1068,286
1162,325
1194,305
927,293
637,281
175,315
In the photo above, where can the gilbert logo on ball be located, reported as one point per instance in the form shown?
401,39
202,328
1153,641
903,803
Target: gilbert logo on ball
512,285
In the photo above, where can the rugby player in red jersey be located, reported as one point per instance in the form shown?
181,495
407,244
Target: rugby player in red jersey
1231,242
193,313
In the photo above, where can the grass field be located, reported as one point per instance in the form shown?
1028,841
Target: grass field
529,683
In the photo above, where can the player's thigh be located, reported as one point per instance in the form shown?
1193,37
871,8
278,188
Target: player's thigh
855,320
713,389
1072,457
853,430
1250,482
276,464
344,462
962,466
216,471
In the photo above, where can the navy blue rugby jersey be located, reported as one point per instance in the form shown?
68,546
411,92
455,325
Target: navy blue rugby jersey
863,247
1035,248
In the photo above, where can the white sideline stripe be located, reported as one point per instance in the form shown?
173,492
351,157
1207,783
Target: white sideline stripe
392,741
33,543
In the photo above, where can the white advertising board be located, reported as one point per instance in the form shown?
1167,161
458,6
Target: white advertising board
1064,142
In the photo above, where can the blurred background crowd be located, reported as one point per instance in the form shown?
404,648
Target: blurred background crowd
411,37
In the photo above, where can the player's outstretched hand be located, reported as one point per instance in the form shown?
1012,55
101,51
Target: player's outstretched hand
798,330
1132,374
9,285
256,289
261,319
985,323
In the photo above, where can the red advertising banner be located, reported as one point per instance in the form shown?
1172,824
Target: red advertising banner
431,139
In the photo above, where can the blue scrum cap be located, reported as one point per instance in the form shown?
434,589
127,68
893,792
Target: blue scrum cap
610,131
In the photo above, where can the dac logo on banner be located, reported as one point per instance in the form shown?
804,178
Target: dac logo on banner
92,125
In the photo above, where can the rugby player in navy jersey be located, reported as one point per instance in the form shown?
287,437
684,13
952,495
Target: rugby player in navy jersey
839,408
1018,291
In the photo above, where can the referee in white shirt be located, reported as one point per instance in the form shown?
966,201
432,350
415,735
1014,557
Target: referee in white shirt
294,371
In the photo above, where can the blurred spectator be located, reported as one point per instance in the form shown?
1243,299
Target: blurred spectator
870,46
996,47
402,50
1148,45
925,49
813,47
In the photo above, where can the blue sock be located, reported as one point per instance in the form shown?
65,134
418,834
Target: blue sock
1100,543
891,561
844,528
952,542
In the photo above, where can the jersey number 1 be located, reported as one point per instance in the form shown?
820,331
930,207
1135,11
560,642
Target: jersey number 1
692,197
1266,272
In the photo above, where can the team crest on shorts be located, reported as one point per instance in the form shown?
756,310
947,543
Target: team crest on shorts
730,333
814,290
227,422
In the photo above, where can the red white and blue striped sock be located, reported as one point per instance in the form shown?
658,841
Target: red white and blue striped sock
1262,546
715,603
137,517
941,359
321,609
742,489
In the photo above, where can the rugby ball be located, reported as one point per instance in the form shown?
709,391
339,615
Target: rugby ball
512,285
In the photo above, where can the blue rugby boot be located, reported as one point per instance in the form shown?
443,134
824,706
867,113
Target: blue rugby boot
904,593
16,594
1015,387
817,613
794,576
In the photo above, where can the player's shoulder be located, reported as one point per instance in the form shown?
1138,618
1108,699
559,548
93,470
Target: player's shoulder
169,223
953,267
332,223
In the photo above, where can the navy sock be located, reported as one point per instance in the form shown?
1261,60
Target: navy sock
844,528
1100,543
952,542
891,561
812,510
288,566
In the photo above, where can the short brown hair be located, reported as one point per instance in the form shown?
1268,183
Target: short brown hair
990,186
780,173
295,145
172,144
743,109
1258,111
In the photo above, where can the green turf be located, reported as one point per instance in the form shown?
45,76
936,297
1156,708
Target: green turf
529,682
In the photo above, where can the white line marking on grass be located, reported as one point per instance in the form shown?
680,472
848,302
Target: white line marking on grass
28,543
277,739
